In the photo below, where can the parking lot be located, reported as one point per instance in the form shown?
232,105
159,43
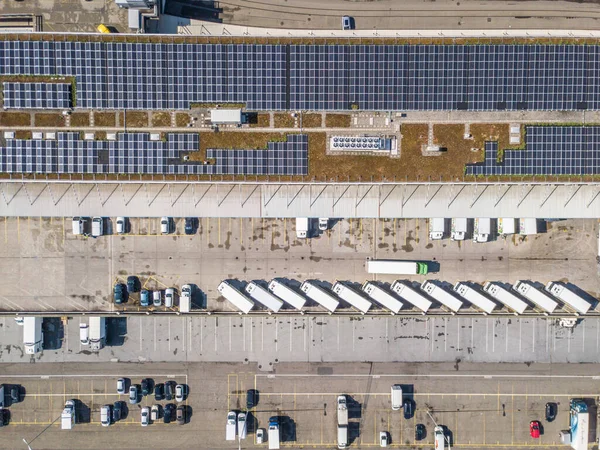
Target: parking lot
47,268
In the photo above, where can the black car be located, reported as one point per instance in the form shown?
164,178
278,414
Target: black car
119,294
169,390
117,411
4,414
132,283
408,408
146,386
420,432
15,394
159,391
168,413
251,398
551,409
190,225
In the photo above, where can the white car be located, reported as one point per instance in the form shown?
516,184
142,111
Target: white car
84,334
179,393
145,416
121,386
323,223
154,413
121,225
260,436
169,297
383,439
156,298
165,225
105,415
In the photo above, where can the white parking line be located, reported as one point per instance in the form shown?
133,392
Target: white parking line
520,336
338,333
230,334
305,331
583,336
141,328
290,334
154,340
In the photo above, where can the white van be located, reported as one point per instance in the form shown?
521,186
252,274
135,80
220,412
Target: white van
78,225
440,439
105,415
97,226
342,439
84,333
396,397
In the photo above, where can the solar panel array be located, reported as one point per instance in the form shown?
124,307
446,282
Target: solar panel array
317,77
554,150
280,158
135,153
36,95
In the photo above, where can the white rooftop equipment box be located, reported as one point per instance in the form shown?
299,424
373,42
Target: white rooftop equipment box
226,116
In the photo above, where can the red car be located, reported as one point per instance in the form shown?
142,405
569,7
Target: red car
534,429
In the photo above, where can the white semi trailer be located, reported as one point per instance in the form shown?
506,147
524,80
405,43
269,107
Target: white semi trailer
320,296
504,296
287,294
482,229
475,298
352,297
506,226
261,295
441,295
382,297
569,297
33,336
410,295
97,333
459,229
536,296
437,228
235,297
395,267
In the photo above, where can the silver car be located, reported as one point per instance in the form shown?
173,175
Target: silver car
121,386
134,394
145,416
169,297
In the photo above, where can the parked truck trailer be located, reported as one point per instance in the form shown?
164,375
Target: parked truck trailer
235,297
97,333
273,433
437,228
33,335
302,227
410,295
482,229
536,296
459,228
475,298
261,295
506,226
382,297
569,297
320,296
441,295
504,296
287,294
349,295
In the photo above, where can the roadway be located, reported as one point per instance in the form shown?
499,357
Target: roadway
481,406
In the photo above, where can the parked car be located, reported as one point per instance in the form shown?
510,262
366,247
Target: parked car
251,398
551,409
132,284
408,407
181,414
145,416
121,225
105,415
117,411
420,432
15,394
383,439
168,413
119,293
169,390
534,429
190,225
159,391
145,298
84,333
165,225
169,297
121,386
4,414
146,386
154,413
179,393
156,298
134,394
260,436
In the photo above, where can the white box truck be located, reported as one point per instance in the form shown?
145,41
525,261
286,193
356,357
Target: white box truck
33,335
67,417
437,228
230,426
459,229
342,410
273,433
478,300
97,333
396,397
261,295
352,297
569,297
235,297
504,296
382,297
410,295
394,267
506,226
441,295
439,438
528,226
320,296
287,294
482,229
535,296
302,228
342,436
